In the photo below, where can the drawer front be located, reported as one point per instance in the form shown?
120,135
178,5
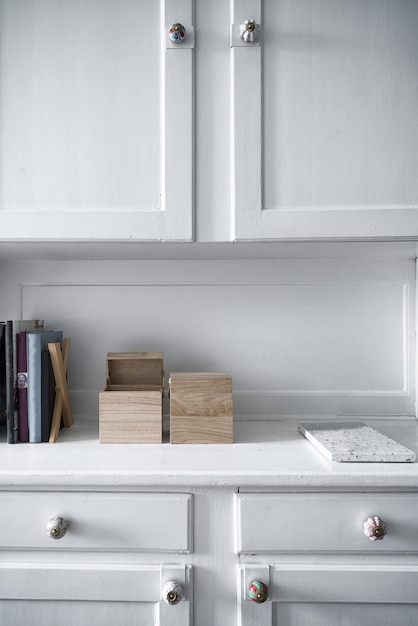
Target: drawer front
97,521
324,522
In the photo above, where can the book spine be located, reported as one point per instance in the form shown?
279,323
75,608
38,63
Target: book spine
47,395
3,403
37,344
11,414
34,387
22,386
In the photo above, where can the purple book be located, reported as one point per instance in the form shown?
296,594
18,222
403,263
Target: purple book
11,416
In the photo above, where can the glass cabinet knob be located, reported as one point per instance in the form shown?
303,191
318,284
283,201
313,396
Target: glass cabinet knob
258,591
56,527
172,592
374,528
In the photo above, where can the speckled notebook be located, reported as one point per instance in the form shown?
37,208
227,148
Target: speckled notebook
354,442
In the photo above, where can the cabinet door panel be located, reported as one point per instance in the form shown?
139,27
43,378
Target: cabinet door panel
345,615
328,595
87,595
323,120
68,613
85,100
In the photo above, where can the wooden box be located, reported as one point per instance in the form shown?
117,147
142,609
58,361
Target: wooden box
131,405
201,408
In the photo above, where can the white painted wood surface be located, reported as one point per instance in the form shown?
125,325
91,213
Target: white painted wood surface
325,337
177,128
329,523
88,90
99,521
301,332
246,117
265,454
327,107
90,595
310,135
329,595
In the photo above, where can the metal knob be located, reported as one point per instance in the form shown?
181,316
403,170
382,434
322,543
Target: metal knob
177,32
248,31
374,528
258,591
56,527
172,592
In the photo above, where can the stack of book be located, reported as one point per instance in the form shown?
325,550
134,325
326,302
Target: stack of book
27,386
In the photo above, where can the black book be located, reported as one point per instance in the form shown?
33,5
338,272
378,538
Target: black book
8,373
47,395
3,402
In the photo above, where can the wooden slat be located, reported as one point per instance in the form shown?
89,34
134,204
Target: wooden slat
62,405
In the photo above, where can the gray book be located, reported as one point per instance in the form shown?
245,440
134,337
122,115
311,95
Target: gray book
37,343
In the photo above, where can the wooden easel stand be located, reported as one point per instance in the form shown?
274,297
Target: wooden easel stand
62,405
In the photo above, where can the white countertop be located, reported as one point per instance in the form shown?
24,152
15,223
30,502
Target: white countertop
265,454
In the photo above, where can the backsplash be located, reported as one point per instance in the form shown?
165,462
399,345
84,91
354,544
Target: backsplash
298,336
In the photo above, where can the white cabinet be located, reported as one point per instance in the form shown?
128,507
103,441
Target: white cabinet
96,108
122,550
323,131
74,577
306,133
306,558
212,518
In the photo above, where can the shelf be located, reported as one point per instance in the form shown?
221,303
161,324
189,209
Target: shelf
264,455
108,251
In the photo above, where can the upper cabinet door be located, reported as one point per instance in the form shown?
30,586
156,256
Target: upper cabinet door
96,114
324,119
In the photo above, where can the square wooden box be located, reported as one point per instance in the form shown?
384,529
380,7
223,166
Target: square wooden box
131,405
201,408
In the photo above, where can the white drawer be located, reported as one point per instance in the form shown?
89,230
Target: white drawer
267,522
97,521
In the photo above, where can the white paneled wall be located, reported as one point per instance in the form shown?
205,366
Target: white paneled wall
298,336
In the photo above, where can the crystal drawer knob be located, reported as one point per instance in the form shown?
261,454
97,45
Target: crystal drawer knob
56,527
374,528
177,32
172,592
258,591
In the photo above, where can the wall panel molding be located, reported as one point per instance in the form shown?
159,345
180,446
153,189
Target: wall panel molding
298,338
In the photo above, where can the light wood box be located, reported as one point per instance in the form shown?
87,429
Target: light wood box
201,407
131,405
